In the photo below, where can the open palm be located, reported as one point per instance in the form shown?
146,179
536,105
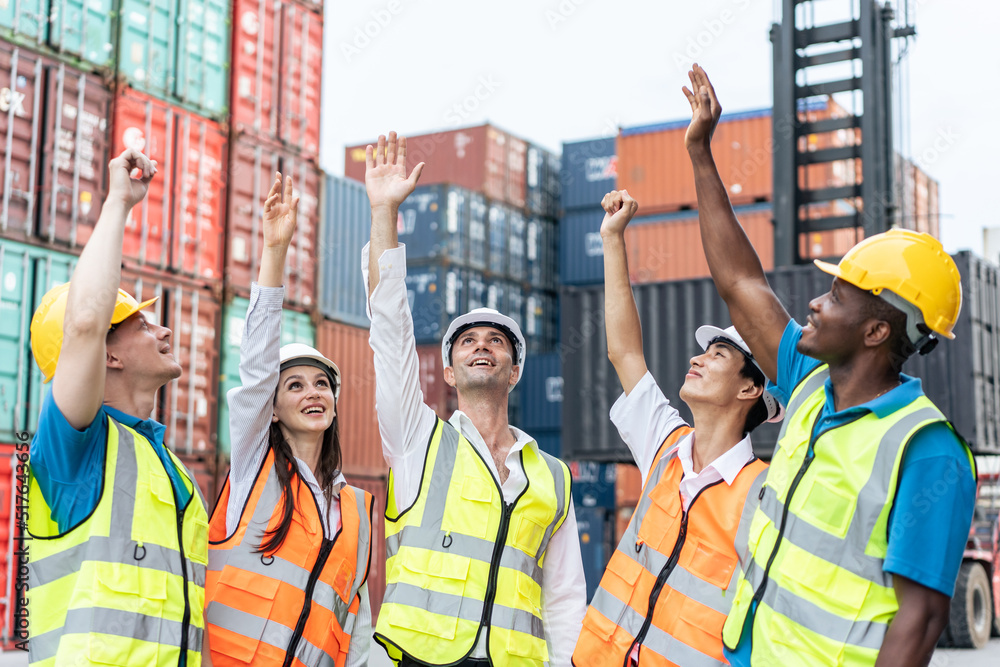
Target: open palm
705,108
281,212
385,173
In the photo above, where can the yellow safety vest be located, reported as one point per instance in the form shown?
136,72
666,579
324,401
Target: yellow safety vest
820,535
126,585
461,560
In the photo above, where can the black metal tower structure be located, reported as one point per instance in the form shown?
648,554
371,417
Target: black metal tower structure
848,56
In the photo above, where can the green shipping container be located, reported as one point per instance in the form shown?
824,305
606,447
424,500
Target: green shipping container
82,30
295,328
178,51
26,274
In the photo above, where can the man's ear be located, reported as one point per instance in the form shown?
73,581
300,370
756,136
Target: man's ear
750,391
112,359
449,376
515,373
877,332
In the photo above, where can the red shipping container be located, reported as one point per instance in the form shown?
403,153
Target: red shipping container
10,544
204,471
178,226
251,174
301,78
186,406
361,444
483,159
255,69
376,573
438,394
54,119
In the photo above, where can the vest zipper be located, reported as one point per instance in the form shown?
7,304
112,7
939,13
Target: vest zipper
324,554
810,455
186,621
491,588
661,578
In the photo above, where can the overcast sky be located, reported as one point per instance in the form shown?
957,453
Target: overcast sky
558,70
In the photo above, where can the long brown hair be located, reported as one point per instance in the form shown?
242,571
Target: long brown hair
287,468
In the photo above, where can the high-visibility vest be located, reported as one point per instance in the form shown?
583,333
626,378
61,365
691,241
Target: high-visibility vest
669,584
126,585
299,602
820,535
461,561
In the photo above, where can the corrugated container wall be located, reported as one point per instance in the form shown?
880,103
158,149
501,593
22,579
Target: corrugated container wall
596,544
295,328
654,166
256,68
436,296
179,226
581,251
589,171
541,253
442,398
12,513
53,147
177,50
433,222
670,313
77,30
482,159
251,174
186,406
376,573
541,393
301,78
344,231
360,442
26,273
542,173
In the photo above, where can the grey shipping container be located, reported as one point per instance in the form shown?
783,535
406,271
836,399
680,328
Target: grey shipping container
344,231
581,252
960,376
589,171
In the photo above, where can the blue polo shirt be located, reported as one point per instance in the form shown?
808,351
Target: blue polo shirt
69,464
930,519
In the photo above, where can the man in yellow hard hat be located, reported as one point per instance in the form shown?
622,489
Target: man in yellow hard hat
858,539
117,566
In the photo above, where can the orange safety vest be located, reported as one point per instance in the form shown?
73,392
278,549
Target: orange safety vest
298,603
684,561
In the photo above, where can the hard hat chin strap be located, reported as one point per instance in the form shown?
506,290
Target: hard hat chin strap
918,334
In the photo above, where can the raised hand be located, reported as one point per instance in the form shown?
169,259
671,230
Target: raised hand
705,109
281,212
619,209
385,173
129,175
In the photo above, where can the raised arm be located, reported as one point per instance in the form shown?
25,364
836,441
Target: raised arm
388,186
621,319
78,385
755,310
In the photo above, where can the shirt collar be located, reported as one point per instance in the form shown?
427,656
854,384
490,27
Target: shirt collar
151,429
908,390
463,423
728,465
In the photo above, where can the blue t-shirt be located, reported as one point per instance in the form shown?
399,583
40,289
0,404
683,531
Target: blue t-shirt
929,522
69,464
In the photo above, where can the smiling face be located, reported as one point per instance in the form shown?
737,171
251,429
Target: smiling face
141,347
305,402
481,357
834,329
715,377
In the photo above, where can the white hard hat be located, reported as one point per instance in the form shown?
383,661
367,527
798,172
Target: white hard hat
485,317
706,334
300,354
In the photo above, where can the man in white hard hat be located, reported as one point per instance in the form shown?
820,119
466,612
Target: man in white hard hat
685,544
483,561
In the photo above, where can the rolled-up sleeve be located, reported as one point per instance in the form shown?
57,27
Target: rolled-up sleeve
644,418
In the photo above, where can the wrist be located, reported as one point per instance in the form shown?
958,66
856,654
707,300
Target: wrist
613,236
385,207
700,151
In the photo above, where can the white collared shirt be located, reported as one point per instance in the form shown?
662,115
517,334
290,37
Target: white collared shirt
645,418
406,424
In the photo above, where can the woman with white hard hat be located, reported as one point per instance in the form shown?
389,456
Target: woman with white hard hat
290,541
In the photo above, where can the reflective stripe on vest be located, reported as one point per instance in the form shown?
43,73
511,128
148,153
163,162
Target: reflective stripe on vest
820,536
689,562
460,557
104,592
257,606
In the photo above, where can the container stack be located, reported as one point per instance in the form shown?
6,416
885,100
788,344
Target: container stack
589,171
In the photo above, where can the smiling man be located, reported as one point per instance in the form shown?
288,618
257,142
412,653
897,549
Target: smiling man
668,587
849,566
483,560
117,569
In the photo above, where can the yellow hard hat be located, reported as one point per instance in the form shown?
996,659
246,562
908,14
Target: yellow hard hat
914,268
47,324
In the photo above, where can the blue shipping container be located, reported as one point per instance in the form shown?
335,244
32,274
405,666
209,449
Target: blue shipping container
476,289
478,216
436,296
434,223
540,253
549,442
593,483
542,393
541,317
581,251
508,298
596,546
344,231
497,230
542,182
517,228
589,171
